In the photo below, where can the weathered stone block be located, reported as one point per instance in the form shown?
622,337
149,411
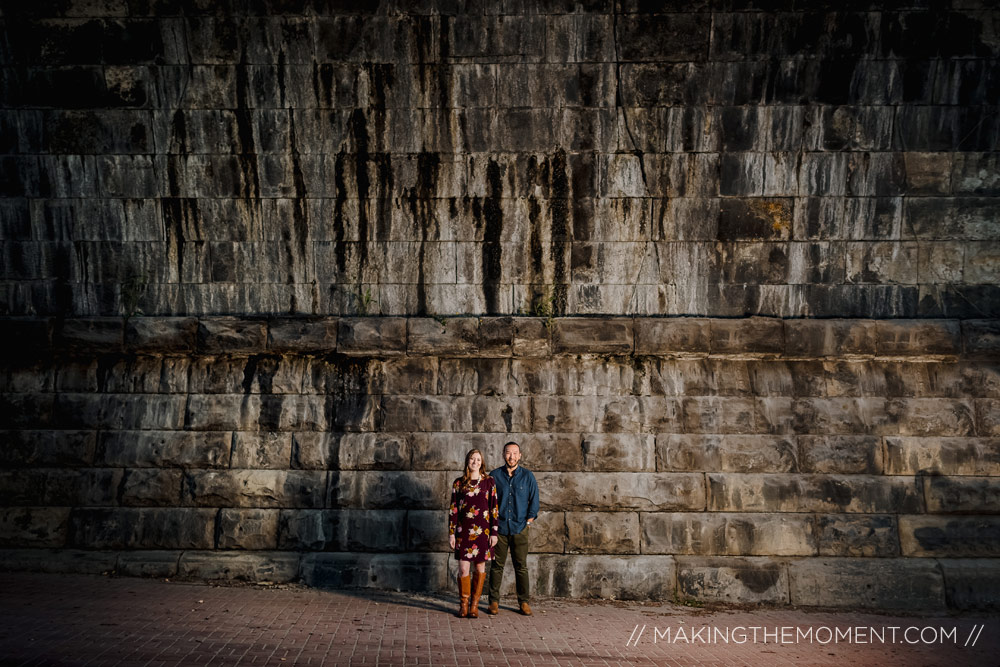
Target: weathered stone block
732,580
812,493
592,336
143,528
158,564
58,561
952,536
727,534
682,452
47,448
374,336
584,414
496,337
312,450
847,454
981,338
416,489
146,487
213,412
22,487
303,336
918,337
259,567
971,584
987,416
226,335
710,414
752,336
573,376
756,453
859,536
548,533
962,495
620,491
624,452
411,375
460,377
254,488
604,577
415,572
539,451
33,526
150,449
99,334
269,374
674,336
601,532
879,583
266,449
822,338
161,334
345,530
942,456
532,337
247,529
371,451
453,336
427,530
424,413
89,487
931,417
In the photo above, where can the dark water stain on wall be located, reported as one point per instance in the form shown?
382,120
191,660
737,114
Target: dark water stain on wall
359,132
560,231
247,156
492,250
421,203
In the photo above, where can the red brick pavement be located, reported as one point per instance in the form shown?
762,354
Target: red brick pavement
50,619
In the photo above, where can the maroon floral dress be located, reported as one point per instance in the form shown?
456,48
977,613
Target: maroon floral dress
473,517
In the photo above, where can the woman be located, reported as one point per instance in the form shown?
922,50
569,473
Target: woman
472,529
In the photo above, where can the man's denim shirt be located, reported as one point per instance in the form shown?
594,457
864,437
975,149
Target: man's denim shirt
518,499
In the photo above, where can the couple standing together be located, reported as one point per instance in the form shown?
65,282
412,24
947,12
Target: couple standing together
489,516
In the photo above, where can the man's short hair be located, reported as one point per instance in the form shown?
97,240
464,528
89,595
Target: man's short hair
507,444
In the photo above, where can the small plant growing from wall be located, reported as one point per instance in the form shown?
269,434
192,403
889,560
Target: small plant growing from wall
543,305
365,301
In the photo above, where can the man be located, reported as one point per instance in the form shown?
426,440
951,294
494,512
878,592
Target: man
518,495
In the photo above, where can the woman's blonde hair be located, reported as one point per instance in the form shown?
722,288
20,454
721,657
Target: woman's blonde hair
466,473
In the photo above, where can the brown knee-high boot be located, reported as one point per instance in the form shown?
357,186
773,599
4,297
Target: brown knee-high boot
477,590
464,589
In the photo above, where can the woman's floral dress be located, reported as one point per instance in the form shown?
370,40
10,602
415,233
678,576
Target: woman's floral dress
473,517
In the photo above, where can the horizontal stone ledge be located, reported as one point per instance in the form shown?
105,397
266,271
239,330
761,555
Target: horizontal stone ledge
875,583
858,583
505,336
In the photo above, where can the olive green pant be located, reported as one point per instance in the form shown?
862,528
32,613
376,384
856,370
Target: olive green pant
518,547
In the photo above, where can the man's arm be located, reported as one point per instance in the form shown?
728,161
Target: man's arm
532,498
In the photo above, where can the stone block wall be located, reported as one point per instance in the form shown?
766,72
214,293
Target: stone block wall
837,462
715,158
728,269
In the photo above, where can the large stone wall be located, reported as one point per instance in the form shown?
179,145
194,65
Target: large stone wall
836,462
499,157
269,267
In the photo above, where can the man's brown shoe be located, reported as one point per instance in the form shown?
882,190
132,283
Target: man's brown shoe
525,609
494,608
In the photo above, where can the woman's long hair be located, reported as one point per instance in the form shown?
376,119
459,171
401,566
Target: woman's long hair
467,474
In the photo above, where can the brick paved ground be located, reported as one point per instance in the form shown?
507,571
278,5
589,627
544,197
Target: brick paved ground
90,620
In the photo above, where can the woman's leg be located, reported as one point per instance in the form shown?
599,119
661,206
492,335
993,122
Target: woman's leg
477,589
464,588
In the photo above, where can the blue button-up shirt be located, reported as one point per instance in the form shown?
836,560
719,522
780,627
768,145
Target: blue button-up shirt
518,499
